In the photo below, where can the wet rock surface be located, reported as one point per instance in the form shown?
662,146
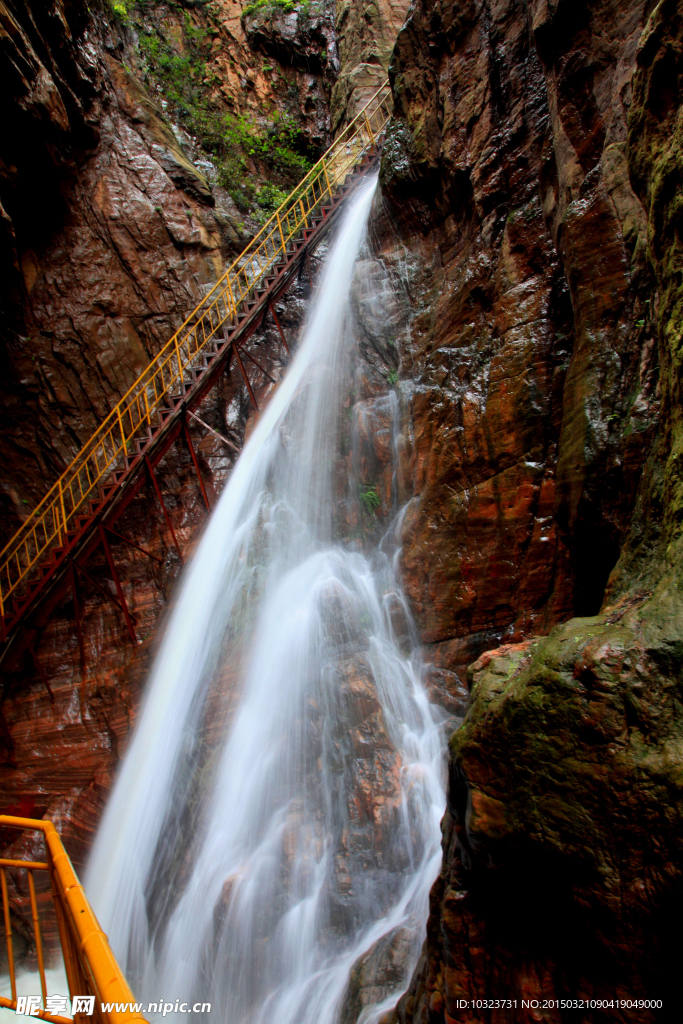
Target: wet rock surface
366,31
302,37
531,368
562,863
532,349
113,237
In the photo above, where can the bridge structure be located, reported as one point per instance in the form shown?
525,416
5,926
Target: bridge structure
79,512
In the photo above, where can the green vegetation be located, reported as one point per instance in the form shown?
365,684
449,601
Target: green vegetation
243,149
392,378
122,9
270,197
369,499
285,5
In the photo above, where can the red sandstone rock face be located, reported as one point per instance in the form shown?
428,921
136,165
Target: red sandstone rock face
532,347
110,234
562,857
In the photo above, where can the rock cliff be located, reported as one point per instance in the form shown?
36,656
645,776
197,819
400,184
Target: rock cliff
534,167
128,139
532,178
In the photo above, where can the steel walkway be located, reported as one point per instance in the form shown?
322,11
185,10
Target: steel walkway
79,511
91,969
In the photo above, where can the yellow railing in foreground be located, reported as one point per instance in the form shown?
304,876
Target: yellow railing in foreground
90,966
47,524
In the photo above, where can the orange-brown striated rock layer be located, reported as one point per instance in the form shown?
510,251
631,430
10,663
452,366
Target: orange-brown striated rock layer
562,880
532,367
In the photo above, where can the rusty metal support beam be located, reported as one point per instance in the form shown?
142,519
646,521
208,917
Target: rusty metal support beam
157,490
132,544
258,366
246,379
271,307
98,586
214,432
186,431
117,583
77,611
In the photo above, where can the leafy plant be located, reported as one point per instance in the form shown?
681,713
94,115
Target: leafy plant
275,142
392,378
270,197
369,498
122,9
286,5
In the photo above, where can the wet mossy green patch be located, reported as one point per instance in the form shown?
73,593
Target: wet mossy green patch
257,158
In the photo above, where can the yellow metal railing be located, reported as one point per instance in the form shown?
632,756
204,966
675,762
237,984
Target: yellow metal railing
48,523
90,966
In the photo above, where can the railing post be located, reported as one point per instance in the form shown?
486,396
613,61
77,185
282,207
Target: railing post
61,503
36,933
329,187
372,135
232,297
180,366
123,436
8,935
282,237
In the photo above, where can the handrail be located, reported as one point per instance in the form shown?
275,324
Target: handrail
90,965
47,526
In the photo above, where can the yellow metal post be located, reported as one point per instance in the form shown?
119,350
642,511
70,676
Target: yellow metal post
36,933
372,136
8,934
94,956
61,502
123,436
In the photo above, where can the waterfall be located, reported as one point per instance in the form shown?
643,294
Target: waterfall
276,817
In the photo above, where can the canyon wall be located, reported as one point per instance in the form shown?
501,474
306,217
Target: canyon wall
534,170
530,180
115,219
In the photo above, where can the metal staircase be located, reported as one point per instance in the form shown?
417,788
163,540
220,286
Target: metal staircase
78,512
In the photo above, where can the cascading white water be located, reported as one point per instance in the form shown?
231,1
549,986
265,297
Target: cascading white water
253,871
